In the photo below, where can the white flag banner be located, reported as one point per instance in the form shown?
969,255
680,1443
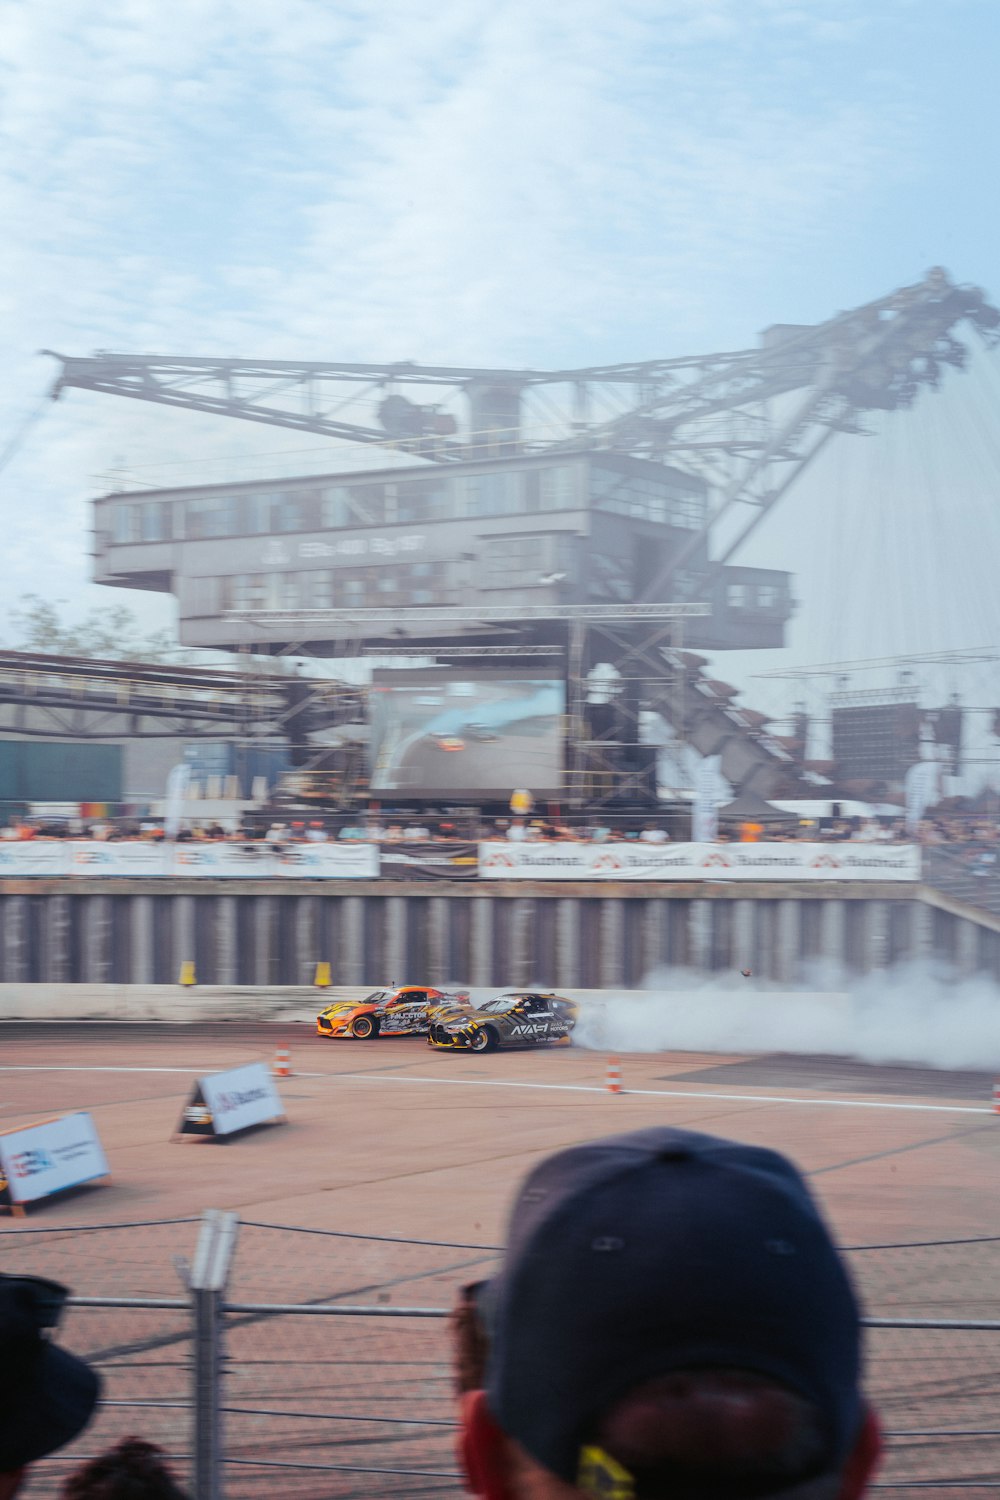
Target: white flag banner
177,787
710,790
922,785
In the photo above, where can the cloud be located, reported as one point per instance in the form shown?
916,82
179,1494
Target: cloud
496,181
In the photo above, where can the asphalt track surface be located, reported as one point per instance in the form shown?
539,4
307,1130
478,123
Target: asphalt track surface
390,1138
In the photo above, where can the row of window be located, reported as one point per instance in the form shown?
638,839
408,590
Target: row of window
753,596
321,588
669,501
439,497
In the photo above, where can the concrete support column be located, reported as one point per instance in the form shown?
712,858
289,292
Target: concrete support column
15,939
183,934
966,947
260,939
833,935
53,961
744,952
96,940
307,954
352,959
654,936
395,940
226,940
875,950
520,945
141,920
700,935
567,943
787,940
437,940
921,931
482,940
611,955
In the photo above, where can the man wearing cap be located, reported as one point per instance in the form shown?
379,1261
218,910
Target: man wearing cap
47,1395
672,1321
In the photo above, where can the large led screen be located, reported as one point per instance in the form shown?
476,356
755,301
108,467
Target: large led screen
438,733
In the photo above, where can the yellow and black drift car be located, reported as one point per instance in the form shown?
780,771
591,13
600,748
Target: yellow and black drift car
523,1019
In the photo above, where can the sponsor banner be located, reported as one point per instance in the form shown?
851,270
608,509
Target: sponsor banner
637,861
346,861
94,857
236,1099
33,857
430,861
44,1159
194,859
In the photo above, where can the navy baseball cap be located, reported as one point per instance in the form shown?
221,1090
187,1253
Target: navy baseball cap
637,1255
47,1395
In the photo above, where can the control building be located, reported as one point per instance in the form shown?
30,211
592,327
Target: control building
555,529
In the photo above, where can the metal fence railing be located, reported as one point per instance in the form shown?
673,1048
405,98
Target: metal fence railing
313,1363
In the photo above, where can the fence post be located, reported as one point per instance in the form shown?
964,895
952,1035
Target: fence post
209,1274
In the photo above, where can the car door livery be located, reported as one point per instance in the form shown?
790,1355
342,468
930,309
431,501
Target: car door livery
404,1014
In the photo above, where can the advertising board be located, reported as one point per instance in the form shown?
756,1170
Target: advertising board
225,1103
637,861
44,1159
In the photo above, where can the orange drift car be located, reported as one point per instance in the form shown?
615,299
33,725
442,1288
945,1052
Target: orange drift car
386,1012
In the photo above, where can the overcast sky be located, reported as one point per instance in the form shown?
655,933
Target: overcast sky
501,182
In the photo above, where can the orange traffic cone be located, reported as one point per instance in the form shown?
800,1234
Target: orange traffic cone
613,1077
996,1097
282,1064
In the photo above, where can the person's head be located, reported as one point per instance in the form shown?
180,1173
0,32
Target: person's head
672,1321
47,1395
132,1470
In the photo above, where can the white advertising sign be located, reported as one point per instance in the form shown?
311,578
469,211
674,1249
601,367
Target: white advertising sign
94,857
638,861
241,1097
223,861
33,857
44,1159
347,861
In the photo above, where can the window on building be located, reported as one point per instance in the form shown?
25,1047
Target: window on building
768,596
286,511
206,518
122,523
256,513
354,592
558,487
494,494
687,510
285,591
154,521
421,500
318,589
736,596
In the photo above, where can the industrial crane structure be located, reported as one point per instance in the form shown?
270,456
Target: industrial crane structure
738,428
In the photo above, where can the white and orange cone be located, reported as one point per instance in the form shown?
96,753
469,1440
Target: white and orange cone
282,1063
996,1097
613,1077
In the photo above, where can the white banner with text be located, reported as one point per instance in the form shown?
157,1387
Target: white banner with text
638,861
44,1159
194,860
241,1097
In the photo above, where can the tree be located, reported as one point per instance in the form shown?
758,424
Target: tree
113,634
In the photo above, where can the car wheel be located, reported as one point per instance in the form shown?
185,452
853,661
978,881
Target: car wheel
483,1040
364,1027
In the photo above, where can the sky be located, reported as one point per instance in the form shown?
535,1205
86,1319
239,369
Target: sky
502,183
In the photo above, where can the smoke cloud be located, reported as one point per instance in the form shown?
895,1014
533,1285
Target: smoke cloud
912,1014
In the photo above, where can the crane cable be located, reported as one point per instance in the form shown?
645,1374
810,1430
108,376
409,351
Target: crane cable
21,432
